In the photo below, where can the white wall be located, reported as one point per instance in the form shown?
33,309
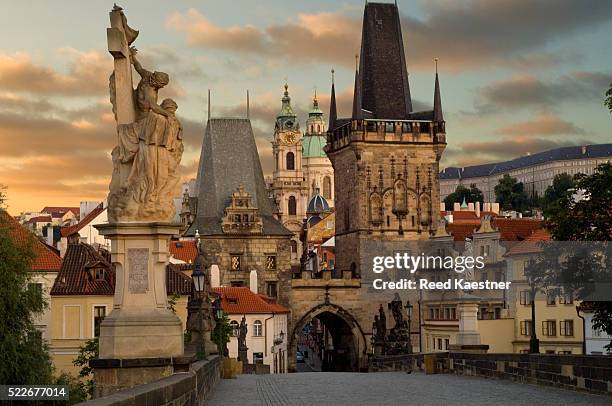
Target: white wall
594,343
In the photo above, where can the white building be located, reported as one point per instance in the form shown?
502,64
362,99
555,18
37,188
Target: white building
266,326
535,171
84,231
595,339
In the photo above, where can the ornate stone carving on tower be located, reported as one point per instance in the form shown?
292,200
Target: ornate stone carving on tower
386,156
289,188
241,216
140,211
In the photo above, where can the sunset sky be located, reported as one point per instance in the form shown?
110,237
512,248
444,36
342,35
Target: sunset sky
517,76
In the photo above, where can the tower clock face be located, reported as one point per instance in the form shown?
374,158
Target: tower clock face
290,137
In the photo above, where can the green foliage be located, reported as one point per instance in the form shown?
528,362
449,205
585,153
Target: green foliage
511,194
471,195
88,351
77,391
24,357
221,333
589,219
608,99
172,301
2,197
560,189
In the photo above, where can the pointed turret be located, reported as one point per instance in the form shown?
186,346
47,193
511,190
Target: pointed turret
437,108
357,111
333,114
286,118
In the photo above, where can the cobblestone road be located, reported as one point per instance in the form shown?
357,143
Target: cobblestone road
390,388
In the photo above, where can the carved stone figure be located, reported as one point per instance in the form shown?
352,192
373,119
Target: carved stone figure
396,310
150,146
242,333
382,323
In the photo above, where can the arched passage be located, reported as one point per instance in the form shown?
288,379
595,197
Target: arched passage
341,343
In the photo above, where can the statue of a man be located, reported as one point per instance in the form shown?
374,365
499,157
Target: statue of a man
242,333
382,320
396,310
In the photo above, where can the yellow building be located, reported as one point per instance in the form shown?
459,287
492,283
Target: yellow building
558,326
82,296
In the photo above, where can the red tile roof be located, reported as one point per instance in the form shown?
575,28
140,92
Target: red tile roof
74,277
531,245
510,229
40,219
73,229
45,258
240,300
56,210
184,250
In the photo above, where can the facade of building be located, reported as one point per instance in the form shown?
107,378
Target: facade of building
235,216
535,171
266,326
385,156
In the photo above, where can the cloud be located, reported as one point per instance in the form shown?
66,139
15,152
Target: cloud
464,35
527,91
87,74
542,125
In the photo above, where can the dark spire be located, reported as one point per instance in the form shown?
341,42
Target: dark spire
333,114
384,87
437,112
357,112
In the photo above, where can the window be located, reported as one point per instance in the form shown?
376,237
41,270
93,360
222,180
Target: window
550,351
257,331
526,327
99,273
566,328
484,250
446,343
294,247
454,313
290,161
549,328
235,328
497,313
236,260
431,314
237,284
525,297
272,289
566,352
551,297
596,332
327,187
566,297
439,343
292,206
99,314
270,262
258,358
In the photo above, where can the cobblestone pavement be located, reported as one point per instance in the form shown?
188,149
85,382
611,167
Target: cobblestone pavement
389,388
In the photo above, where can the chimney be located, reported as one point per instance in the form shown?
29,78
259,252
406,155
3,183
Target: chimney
486,207
495,208
214,276
470,206
456,206
442,206
253,281
477,209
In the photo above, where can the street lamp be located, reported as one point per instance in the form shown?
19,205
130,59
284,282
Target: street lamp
534,343
199,280
409,309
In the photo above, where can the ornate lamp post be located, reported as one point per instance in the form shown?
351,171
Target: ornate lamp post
199,281
409,309
534,343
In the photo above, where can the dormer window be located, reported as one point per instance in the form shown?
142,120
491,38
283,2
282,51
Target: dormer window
97,273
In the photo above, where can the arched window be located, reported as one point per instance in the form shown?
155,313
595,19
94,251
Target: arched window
292,206
294,246
235,327
327,187
290,161
257,328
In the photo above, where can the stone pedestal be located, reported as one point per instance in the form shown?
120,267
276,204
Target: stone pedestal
468,337
140,330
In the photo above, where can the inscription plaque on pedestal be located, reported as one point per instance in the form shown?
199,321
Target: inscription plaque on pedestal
138,260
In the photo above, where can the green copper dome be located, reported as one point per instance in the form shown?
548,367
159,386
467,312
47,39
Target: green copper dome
312,146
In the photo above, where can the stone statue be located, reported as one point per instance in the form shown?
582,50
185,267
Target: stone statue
396,310
242,333
382,323
150,141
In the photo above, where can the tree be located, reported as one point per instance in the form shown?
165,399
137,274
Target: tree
471,195
2,197
562,185
578,266
24,357
221,333
88,351
510,194
608,99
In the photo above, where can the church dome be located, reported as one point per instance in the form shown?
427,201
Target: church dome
312,146
317,204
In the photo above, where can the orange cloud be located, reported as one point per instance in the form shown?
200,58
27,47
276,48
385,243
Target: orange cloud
542,125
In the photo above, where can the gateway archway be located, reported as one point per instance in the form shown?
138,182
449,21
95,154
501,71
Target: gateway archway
332,335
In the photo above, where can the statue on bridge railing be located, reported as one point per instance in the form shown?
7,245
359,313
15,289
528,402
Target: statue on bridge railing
242,347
